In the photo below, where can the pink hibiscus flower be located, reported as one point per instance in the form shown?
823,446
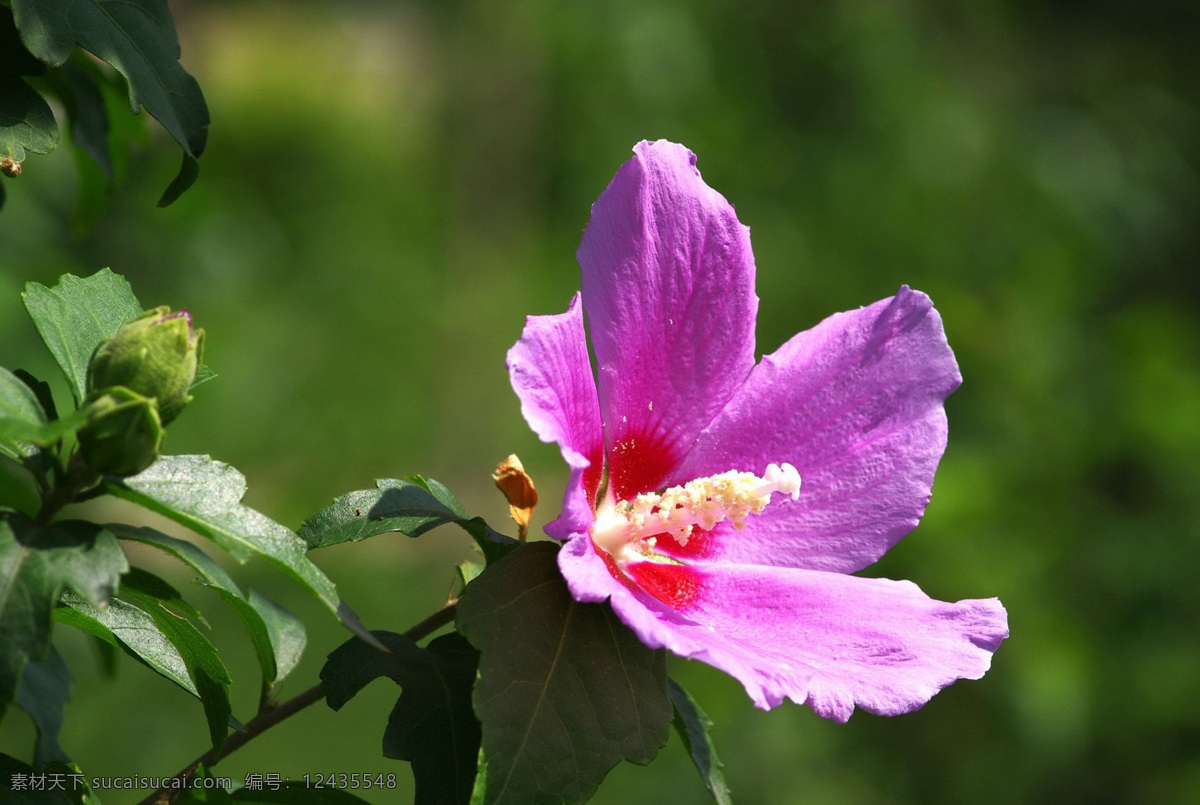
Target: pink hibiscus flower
666,514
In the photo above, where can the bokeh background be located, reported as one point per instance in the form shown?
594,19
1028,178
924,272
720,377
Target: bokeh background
390,188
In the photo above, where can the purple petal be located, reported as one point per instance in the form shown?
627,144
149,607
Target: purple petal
855,404
827,640
551,374
668,284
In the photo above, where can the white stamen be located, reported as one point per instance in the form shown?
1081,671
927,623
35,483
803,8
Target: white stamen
704,502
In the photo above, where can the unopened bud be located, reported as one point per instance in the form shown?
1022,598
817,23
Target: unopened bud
155,355
518,489
123,434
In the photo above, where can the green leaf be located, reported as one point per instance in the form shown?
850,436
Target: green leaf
78,791
138,38
14,773
163,640
77,314
565,690
205,496
432,725
131,630
26,122
14,58
44,691
17,488
204,665
277,635
285,631
693,727
36,564
20,415
86,111
189,171
410,507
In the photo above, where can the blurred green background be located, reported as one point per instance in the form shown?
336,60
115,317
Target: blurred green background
390,188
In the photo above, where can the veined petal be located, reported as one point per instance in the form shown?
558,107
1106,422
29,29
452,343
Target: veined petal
551,374
827,640
668,285
855,404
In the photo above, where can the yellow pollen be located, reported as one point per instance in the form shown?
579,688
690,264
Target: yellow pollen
734,496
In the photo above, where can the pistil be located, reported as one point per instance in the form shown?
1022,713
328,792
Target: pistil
622,526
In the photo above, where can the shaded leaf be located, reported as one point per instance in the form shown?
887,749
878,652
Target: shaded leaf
693,727
78,791
163,640
44,690
411,507
432,725
26,122
36,564
84,102
77,314
14,772
18,403
17,488
565,690
14,58
189,171
138,38
278,636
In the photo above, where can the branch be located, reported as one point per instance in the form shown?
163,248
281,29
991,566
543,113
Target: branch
269,718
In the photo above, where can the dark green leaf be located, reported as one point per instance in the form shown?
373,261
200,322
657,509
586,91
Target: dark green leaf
138,38
278,636
297,794
565,690
44,691
147,585
26,122
77,314
205,495
189,171
41,390
36,563
432,725
693,727
84,101
130,629
14,786
285,631
411,507
14,58
164,640
78,791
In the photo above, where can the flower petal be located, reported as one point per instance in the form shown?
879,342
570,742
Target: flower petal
855,404
551,374
827,640
668,284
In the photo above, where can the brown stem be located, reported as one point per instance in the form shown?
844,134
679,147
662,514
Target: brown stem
269,718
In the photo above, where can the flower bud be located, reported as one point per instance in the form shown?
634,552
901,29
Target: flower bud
155,355
123,433
519,491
